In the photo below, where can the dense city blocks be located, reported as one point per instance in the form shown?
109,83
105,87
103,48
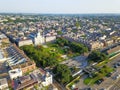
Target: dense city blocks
59,52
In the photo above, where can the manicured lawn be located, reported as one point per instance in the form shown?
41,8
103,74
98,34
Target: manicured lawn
87,80
91,81
102,63
113,54
106,61
62,50
73,82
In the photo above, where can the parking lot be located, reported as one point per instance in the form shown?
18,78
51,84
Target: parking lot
116,86
110,82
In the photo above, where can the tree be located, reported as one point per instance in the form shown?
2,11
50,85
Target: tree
42,56
59,32
97,56
63,73
75,47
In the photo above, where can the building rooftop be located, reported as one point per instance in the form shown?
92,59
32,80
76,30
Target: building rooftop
12,72
2,36
3,81
24,82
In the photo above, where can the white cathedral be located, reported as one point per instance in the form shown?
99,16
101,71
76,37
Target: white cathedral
37,38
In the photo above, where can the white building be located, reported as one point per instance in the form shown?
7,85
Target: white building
47,79
2,57
39,39
15,73
3,84
103,37
25,42
50,38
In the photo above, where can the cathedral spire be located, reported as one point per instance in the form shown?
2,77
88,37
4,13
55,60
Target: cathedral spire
38,33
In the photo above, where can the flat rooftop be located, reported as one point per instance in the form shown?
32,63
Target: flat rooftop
3,81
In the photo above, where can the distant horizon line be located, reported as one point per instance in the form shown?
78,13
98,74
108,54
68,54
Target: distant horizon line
28,13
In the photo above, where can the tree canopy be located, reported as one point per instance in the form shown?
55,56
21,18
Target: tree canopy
63,73
75,47
97,56
42,56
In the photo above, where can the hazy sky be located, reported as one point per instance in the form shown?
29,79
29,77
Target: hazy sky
60,6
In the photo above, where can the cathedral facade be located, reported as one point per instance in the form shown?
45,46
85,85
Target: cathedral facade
37,38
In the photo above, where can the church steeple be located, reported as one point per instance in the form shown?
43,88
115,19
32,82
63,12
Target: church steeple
39,39
38,33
